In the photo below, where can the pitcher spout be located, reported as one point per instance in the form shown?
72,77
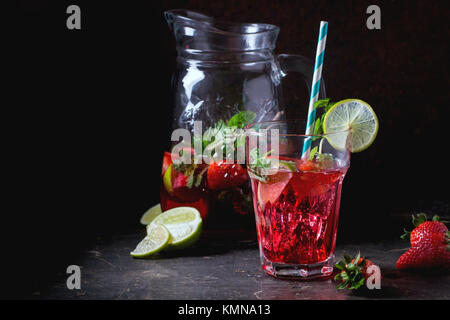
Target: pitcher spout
196,32
180,17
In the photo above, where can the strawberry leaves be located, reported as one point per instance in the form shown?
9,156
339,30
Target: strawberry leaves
351,276
417,221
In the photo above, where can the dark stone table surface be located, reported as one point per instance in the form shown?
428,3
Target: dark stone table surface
228,270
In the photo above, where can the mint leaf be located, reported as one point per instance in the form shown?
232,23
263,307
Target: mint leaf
312,154
214,133
222,130
241,119
223,134
318,125
321,103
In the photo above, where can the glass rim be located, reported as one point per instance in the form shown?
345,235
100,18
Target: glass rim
251,125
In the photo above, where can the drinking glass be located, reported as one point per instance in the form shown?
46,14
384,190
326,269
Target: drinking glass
296,196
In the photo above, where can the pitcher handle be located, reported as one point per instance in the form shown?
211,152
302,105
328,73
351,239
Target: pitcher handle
300,64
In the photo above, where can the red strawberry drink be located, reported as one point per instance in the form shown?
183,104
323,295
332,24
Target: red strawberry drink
297,207
297,213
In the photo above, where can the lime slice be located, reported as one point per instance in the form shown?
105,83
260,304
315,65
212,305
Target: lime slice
270,191
167,179
151,214
355,115
184,225
157,238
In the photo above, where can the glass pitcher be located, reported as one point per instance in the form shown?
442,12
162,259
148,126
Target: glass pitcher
227,76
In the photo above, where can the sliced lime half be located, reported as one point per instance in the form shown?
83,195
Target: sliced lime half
151,214
353,114
184,225
157,238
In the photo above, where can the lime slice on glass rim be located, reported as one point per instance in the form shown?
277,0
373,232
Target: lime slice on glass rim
184,225
150,214
157,239
353,114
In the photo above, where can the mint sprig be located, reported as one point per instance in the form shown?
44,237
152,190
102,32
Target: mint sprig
326,105
223,133
220,134
225,130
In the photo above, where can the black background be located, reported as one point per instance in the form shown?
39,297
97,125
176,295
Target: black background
89,118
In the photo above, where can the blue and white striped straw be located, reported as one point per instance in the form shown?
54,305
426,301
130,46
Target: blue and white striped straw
315,87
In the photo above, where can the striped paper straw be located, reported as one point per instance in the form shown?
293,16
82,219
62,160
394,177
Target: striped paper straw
315,87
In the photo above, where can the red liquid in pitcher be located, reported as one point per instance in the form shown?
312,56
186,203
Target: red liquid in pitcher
220,191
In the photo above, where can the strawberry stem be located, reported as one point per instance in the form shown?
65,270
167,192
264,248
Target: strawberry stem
421,218
351,275
417,221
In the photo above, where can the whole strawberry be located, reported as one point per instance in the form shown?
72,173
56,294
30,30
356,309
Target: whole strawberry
432,251
423,228
353,275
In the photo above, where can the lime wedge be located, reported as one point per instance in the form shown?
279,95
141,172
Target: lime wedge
184,225
151,214
167,179
355,115
157,238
